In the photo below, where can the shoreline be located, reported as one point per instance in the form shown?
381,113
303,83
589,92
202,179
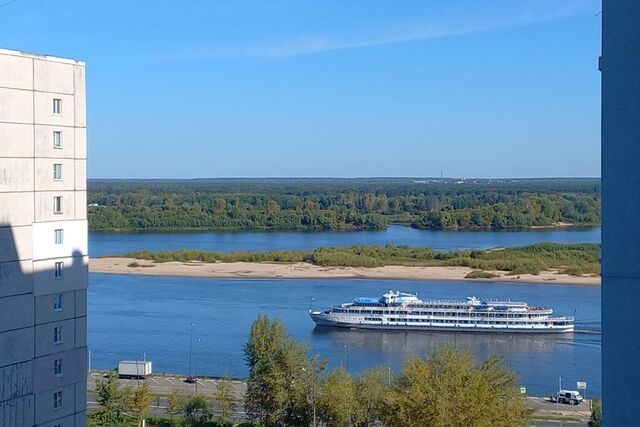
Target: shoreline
254,270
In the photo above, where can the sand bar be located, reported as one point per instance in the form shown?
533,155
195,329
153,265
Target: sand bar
310,271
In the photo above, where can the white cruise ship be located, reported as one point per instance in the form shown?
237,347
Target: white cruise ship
402,311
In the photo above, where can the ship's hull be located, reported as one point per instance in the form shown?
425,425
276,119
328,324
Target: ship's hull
322,320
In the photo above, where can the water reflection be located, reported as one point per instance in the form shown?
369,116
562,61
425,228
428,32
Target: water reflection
422,343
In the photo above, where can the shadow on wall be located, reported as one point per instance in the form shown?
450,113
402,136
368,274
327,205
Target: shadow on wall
42,319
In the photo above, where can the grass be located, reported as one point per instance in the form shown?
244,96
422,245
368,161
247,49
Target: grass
137,264
479,274
575,259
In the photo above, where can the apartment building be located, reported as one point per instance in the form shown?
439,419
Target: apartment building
43,241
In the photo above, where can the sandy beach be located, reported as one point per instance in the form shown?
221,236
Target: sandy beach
310,271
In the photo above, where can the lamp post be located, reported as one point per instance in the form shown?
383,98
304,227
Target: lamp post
190,349
313,392
346,351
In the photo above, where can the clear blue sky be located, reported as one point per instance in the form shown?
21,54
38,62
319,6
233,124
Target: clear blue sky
181,89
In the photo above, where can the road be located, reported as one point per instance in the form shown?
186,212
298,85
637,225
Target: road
547,414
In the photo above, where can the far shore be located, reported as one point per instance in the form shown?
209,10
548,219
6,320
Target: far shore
254,270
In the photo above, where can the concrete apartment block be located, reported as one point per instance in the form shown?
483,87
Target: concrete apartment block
43,241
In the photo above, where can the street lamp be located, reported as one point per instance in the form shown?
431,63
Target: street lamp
191,378
346,351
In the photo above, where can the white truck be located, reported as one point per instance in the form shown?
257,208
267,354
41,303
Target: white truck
134,369
570,397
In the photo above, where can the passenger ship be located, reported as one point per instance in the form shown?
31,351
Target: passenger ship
402,311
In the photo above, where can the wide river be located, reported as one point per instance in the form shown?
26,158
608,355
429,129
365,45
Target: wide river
132,315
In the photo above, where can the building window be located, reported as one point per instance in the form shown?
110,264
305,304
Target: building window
57,171
57,204
57,302
57,400
58,271
57,334
57,106
57,367
57,139
58,236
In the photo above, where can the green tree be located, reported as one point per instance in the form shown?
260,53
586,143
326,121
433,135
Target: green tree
596,413
197,410
141,401
112,404
279,386
450,389
224,399
373,386
338,401
175,403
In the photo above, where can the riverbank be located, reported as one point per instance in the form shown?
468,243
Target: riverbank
302,270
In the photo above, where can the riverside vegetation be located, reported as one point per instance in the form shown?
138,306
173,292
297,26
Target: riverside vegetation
340,204
287,386
574,259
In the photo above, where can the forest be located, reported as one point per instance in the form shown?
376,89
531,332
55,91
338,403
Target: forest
341,204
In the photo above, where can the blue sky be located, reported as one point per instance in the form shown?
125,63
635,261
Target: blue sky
182,89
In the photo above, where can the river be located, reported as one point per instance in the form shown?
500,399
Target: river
132,315
101,244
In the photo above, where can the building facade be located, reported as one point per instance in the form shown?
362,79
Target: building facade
43,241
620,66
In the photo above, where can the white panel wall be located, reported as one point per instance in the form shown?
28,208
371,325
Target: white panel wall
75,239
81,302
17,346
16,243
44,141
81,107
16,72
81,205
14,139
81,175
75,275
44,175
81,331
44,404
16,208
16,106
53,77
28,86
44,338
44,206
16,312
74,368
44,109
44,312
16,174
81,143
15,278
17,412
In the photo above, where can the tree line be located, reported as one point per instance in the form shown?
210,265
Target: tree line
339,204
568,258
